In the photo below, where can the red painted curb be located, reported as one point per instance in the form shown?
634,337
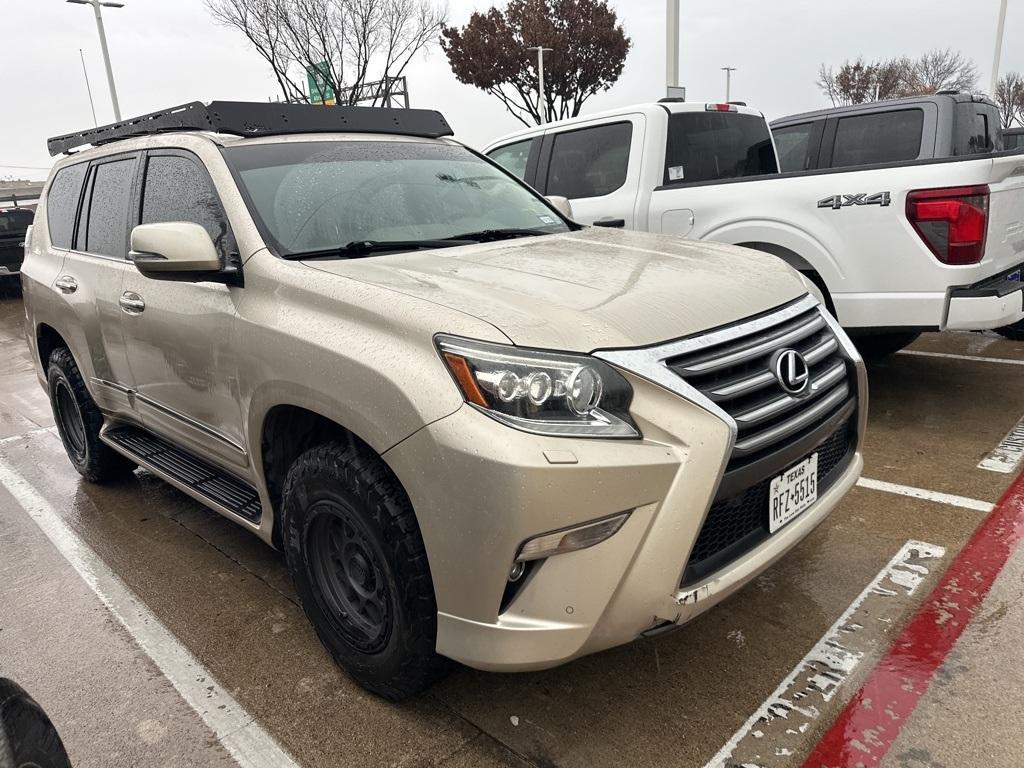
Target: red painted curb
873,719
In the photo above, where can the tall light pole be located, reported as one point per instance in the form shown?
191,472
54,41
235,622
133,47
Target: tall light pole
999,48
671,45
728,81
542,104
103,44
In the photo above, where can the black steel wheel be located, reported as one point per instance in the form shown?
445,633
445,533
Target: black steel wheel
79,422
357,559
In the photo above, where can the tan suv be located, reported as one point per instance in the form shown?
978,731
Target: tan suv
476,429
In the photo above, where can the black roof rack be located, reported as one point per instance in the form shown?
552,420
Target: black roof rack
247,118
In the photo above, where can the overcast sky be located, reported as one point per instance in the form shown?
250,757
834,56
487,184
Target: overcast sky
166,52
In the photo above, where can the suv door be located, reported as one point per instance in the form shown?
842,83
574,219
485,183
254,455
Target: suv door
94,267
180,334
597,167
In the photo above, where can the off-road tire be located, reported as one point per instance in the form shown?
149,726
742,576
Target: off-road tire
346,485
27,737
1015,332
96,461
878,345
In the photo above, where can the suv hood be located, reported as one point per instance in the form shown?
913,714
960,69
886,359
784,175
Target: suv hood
587,290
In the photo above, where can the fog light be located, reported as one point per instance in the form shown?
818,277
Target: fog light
571,539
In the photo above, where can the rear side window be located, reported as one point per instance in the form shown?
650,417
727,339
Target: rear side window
708,146
793,144
590,162
1011,140
106,228
513,157
977,129
62,204
177,189
881,137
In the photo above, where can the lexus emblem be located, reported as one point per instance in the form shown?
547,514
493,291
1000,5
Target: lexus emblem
790,369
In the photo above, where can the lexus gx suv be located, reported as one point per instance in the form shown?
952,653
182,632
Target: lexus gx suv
477,430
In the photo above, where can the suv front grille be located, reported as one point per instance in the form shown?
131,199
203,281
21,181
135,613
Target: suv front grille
736,375
737,524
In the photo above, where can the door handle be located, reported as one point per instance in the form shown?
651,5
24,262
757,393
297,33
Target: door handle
66,284
613,223
131,303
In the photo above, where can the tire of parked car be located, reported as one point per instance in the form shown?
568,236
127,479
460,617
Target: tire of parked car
27,737
357,559
878,345
79,422
1014,331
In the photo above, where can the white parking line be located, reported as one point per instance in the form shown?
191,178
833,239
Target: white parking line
1006,456
773,733
245,739
922,493
971,358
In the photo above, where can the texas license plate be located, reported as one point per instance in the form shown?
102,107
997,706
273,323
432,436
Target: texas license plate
792,492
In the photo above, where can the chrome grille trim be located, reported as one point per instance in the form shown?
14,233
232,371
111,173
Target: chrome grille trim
806,417
787,402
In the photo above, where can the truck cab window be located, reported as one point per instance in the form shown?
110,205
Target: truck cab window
590,162
792,144
708,146
881,137
513,157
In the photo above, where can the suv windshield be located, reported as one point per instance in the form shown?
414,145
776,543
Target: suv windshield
320,196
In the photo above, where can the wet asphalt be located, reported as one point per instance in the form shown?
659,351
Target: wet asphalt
671,701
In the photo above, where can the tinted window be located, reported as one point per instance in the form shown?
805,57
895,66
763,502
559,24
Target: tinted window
792,143
707,146
513,157
62,203
1011,140
882,137
177,189
319,195
590,162
106,230
15,220
977,129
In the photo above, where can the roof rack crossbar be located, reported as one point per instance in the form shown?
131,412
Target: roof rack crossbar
243,118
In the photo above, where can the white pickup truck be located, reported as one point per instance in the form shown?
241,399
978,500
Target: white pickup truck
898,246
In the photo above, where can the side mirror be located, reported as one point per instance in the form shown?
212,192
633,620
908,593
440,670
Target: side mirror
173,247
561,204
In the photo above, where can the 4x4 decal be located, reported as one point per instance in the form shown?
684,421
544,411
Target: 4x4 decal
835,202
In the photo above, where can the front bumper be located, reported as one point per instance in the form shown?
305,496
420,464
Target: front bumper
480,489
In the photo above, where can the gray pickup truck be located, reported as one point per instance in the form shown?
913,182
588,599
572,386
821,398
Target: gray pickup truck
918,130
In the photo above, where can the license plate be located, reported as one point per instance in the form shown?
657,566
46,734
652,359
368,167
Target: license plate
792,492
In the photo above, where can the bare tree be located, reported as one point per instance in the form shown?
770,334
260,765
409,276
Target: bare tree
1009,97
858,81
344,43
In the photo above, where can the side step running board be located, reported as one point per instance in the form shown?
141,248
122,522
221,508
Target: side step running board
196,477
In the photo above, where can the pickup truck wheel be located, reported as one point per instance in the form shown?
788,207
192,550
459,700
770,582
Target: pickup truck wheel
27,737
878,345
79,422
1014,331
357,559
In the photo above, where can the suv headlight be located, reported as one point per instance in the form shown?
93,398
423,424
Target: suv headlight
547,393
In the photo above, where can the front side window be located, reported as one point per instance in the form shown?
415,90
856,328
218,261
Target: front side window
891,136
710,146
62,203
177,189
793,144
589,162
106,220
513,157
322,195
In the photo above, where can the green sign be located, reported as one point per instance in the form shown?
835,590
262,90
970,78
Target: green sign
319,78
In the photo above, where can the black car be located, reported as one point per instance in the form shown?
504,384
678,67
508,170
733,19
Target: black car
14,222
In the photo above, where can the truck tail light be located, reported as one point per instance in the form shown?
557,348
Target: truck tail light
951,221
720,108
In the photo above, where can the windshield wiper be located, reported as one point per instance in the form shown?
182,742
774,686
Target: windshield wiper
490,235
358,248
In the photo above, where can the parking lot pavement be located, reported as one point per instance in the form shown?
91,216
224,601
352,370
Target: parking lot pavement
799,641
